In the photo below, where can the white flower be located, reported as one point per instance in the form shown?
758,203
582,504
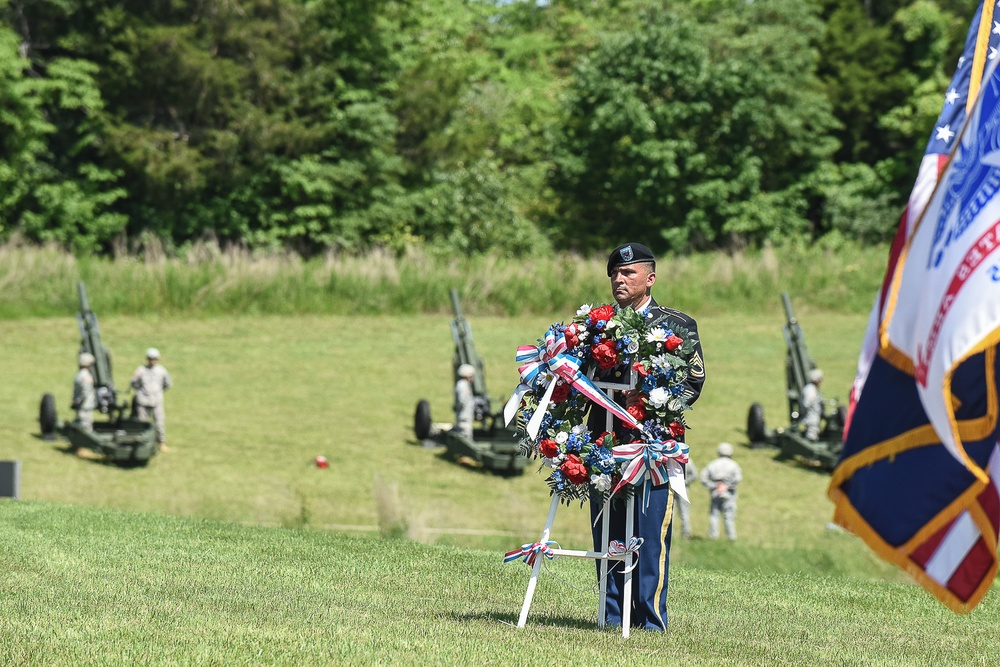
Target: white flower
660,361
562,437
656,334
582,334
584,310
675,404
659,397
579,428
551,463
601,482
611,324
633,347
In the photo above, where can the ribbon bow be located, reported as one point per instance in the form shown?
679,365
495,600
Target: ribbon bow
652,464
549,357
618,548
529,552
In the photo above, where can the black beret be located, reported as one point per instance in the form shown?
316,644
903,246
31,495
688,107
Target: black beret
630,253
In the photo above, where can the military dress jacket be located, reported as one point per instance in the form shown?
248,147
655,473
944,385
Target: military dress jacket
667,318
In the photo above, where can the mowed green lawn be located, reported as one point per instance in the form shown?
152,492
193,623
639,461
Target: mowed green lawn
257,398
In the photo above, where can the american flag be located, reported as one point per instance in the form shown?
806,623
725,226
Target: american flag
939,147
917,479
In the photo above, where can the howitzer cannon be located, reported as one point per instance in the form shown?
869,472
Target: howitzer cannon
493,445
120,437
792,441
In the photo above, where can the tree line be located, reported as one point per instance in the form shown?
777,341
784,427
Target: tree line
466,126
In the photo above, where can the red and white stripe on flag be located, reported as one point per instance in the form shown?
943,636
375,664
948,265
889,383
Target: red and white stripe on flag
958,562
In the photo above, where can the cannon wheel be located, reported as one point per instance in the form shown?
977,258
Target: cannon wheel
422,420
756,430
47,415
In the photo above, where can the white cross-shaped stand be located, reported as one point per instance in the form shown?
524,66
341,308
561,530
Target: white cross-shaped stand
603,556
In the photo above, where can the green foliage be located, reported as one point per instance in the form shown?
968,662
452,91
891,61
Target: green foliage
466,127
857,202
52,188
885,73
685,132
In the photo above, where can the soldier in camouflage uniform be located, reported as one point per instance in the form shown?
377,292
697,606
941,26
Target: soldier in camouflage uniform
683,506
721,478
149,383
812,405
84,396
465,400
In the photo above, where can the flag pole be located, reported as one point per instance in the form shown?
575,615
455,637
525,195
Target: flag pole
979,59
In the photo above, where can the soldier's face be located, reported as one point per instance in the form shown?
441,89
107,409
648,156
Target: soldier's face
630,283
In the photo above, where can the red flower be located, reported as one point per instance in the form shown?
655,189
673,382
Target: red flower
574,469
600,439
549,448
572,340
673,342
605,354
561,392
603,313
676,429
637,410
640,368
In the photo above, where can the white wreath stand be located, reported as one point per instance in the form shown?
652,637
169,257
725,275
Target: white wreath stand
603,556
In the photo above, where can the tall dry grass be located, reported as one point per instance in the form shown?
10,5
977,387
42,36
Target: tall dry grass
205,279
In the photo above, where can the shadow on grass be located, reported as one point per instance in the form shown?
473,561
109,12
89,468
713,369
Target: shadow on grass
63,446
540,620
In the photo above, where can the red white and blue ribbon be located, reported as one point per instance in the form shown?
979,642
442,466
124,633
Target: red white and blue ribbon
549,357
529,552
652,464
619,548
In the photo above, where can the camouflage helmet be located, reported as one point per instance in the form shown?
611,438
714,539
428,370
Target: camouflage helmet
725,449
86,360
152,353
815,376
466,371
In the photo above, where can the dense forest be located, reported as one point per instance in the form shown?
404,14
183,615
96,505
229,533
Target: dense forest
466,126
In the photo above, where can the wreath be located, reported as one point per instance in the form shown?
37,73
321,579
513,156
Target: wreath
558,389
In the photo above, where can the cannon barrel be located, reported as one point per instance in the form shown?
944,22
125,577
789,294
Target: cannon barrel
90,341
798,359
465,347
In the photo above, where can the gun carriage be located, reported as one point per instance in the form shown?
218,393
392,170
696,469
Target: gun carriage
791,440
493,445
118,435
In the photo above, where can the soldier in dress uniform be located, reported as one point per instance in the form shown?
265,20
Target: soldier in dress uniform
149,383
84,395
632,271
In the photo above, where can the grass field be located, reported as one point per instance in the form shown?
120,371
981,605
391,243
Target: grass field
102,587
257,556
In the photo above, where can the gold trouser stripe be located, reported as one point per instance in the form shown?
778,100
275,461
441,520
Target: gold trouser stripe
664,527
